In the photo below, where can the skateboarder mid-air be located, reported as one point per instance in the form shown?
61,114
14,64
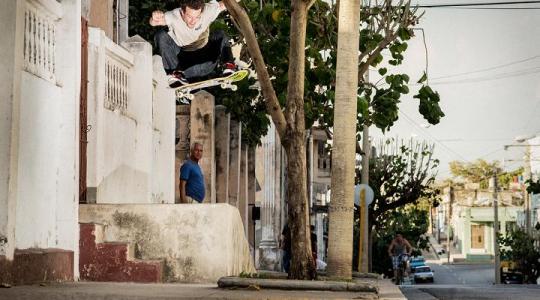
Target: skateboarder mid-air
189,50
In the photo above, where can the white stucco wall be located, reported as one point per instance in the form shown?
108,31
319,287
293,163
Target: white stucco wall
47,189
131,151
11,21
163,125
535,156
119,143
199,242
467,216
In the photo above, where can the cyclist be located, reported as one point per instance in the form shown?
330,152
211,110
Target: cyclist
398,247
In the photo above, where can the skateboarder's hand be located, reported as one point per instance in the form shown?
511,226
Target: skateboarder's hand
158,18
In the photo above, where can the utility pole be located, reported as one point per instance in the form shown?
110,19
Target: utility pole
366,148
527,175
449,214
364,241
496,229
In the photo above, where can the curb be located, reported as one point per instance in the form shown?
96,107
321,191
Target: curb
286,284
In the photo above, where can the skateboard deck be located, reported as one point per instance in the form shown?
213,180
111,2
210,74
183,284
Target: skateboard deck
186,91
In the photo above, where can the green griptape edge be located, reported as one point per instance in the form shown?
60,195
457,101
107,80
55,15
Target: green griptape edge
239,75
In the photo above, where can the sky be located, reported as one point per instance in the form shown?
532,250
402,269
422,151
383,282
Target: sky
485,64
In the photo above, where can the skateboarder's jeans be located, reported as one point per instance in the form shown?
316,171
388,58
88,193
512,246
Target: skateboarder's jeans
194,64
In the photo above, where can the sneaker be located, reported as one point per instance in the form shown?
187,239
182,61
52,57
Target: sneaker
176,79
229,68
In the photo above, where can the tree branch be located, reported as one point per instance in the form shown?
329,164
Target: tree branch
273,108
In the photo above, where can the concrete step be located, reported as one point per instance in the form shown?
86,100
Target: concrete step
113,261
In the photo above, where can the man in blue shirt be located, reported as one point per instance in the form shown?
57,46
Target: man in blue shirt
191,177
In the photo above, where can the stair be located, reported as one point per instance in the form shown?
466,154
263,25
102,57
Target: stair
113,261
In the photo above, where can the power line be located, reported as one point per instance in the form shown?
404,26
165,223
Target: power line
432,137
517,73
478,4
488,69
492,8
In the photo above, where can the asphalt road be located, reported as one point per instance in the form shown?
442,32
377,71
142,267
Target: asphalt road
463,274
463,282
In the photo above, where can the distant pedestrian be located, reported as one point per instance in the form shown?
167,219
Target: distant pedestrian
286,246
313,236
191,177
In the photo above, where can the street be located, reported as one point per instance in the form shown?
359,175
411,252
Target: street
467,281
462,274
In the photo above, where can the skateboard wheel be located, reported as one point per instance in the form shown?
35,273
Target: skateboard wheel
234,87
223,85
191,96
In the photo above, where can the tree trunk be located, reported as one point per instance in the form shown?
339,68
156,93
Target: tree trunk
302,264
290,126
340,242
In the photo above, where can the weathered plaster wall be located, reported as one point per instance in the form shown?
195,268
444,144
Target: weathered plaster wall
47,192
199,243
39,104
163,126
130,151
202,120
101,16
11,28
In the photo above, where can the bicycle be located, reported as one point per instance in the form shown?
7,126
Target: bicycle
403,268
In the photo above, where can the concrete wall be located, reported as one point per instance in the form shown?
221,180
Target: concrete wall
101,16
223,123
235,147
202,119
535,156
199,243
11,28
40,129
131,148
163,126
47,192
467,216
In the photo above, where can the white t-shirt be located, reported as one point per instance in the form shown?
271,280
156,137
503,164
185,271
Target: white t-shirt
192,38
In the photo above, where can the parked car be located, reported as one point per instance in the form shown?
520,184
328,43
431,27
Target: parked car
423,274
511,276
417,261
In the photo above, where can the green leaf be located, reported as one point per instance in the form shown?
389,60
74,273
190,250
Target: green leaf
253,4
382,71
404,33
423,78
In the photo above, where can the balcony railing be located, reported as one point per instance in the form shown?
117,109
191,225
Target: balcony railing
40,20
118,63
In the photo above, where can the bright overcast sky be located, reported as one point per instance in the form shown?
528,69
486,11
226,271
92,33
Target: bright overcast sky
485,64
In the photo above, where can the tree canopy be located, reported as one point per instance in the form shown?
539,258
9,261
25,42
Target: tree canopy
481,171
384,33
401,174
518,246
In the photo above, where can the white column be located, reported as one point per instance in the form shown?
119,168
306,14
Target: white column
268,248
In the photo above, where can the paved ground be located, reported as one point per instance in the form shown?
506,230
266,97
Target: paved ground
466,281
133,291
473,292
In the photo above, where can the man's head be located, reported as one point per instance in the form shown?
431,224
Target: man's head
399,237
196,151
191,11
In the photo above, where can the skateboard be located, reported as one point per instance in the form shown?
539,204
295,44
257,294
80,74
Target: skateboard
186,91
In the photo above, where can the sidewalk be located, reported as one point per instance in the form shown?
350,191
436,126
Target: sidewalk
135,291
455,256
